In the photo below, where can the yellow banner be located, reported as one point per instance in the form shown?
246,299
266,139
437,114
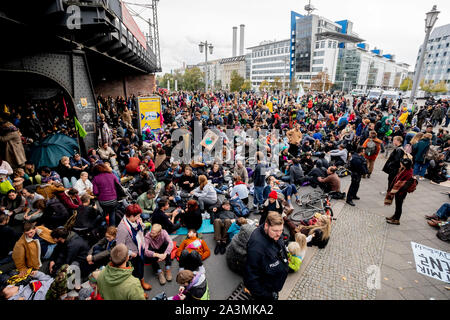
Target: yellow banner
149,113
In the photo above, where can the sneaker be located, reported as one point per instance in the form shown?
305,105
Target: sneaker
168,275
356,198
161,278
350,203
433,223
433,217
421,178
298,202
394,222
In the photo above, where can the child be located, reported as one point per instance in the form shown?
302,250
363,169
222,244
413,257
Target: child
294,258
100,252
303,241
236,227
95,295
193,286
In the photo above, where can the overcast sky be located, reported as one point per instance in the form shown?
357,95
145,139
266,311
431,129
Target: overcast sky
395,26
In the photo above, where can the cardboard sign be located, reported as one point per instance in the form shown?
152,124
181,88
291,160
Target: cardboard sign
209,140
431,262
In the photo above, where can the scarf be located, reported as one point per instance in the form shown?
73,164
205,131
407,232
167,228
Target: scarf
136,232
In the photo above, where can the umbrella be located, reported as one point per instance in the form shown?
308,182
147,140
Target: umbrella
49,151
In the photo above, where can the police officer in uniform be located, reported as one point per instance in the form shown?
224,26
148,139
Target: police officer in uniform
267,263
358,167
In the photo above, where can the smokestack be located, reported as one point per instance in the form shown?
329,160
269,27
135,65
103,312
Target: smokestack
241,48
234,41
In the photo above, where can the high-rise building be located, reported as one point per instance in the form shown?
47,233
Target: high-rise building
436,66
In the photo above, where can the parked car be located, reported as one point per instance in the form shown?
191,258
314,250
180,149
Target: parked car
374,94
357,93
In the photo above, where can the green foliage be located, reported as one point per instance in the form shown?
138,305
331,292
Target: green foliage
440,87
236,81
246,86
426,86
264,85
193,79
406,85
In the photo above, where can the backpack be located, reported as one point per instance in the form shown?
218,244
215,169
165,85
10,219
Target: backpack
432,153
70,223
411,185
371,148
444,232
59,285
407,155
239,208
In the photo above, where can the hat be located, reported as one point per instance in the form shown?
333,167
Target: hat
273,195
119,254
4,172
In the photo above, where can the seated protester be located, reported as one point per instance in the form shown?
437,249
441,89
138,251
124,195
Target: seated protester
91,293
5,183
322,162
285,189
437,171
205,193
88,218
340,156
236,253
272,204
194,286
236,227
190,244
30,213
78,163
216,175
8,238
14,203
147,202
49,177
36,244
173,173
70,249
241,171
20,173
70,199
161,162
144,181
31,172
307,163
149,162
18,183
35,290
239,190
187,182
295,261
116,281
295,174
321,232
306,147
191,218
99,253
332,183
133,166
158,248
222,218
84,186
166,220
170,192
68,175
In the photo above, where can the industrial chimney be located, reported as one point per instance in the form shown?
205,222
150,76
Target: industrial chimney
234,41
241,47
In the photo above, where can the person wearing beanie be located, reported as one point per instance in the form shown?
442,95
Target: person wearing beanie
116,281
272,204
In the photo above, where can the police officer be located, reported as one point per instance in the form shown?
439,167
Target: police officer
267,263
358,167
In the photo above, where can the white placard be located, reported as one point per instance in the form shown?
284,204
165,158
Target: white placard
432,262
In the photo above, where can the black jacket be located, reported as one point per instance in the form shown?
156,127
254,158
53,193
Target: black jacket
358,165
267,265
73,249
393,163
8,238
86,217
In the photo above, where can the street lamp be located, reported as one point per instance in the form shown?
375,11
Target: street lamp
430,20
343,86
324,79
205,45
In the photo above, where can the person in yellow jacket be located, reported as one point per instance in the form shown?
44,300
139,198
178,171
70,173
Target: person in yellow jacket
404,116
35,245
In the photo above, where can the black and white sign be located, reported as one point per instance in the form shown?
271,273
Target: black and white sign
431,262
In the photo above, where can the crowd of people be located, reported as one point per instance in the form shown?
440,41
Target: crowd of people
113,210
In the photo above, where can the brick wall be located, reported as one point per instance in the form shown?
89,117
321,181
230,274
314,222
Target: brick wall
140,84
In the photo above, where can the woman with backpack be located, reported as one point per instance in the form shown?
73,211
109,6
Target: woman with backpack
403,184
372,148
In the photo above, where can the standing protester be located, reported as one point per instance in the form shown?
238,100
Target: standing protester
358,167
393,163
372,148
401,185
267,262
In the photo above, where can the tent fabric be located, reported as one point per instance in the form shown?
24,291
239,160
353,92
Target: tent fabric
49,151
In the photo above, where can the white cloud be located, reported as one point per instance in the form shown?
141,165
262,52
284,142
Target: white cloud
396,26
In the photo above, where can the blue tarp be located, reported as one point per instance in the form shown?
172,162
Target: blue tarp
49,151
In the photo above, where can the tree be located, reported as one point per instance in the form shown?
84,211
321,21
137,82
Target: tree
167,77
193,79
246,86
236,81
264,85
426,86
321,82
440,87
276,84
406,85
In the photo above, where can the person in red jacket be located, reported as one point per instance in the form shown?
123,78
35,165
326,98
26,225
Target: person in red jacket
133,165
372,148
70,198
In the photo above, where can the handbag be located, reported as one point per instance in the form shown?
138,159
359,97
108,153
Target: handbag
121,194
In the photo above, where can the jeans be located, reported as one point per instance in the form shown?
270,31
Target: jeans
203,201
447,121
69,184
399,205
110,210
6,259
289,190
444,211
420,169
154,261
258,199
49,252
19,217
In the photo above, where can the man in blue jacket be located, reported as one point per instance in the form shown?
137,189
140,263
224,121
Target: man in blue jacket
267,263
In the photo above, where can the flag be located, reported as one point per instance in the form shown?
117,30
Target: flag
81,132
66,114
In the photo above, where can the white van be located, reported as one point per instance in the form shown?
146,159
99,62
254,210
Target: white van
374,94
357,93
394,95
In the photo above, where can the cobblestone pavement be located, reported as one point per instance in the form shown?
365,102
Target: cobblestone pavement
361,238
